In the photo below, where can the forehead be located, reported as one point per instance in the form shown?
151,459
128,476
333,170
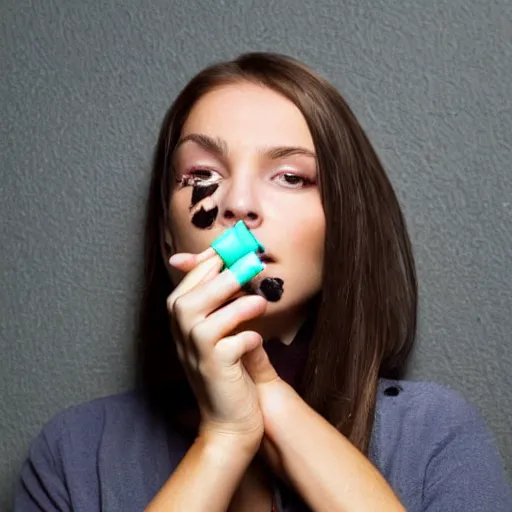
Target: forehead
249,115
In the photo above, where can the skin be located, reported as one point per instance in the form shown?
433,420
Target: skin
276,195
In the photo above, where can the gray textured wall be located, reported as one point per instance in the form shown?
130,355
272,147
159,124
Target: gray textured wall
84,88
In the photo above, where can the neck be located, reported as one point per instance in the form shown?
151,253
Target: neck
283,326
290,358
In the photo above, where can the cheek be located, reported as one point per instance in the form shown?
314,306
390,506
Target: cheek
184,238
307,235
305,253
198,202
178,215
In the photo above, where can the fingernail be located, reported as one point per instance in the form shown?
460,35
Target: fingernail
205,255
178,259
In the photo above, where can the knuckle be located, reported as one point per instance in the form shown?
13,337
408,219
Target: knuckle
204,367
169,303
179,307
200,334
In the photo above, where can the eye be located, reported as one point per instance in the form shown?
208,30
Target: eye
294,179
202,174
198,177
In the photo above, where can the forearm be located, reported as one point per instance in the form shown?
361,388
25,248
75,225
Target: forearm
324,467
206,478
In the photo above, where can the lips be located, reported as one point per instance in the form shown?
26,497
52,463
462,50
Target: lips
266,258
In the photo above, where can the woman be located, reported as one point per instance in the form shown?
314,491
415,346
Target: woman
286,394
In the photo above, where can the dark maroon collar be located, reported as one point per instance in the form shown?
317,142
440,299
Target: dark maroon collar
289,360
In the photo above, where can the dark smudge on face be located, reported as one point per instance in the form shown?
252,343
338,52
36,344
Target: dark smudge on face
200,193
204,219
271,288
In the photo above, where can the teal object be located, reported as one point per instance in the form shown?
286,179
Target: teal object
247,267
235,243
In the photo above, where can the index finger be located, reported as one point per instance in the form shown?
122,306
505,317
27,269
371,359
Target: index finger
186,261
209,265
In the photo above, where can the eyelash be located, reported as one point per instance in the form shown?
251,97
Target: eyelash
191,176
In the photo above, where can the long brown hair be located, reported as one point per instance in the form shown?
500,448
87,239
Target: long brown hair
365,320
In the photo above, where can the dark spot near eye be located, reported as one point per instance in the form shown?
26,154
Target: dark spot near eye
392,391
199,193
204,219
272,288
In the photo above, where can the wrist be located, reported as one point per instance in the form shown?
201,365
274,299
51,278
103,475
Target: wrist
279,403
230,444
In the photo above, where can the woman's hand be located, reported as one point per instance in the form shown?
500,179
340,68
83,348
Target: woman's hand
210,354
276,400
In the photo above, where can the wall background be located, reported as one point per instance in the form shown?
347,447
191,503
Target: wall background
84,88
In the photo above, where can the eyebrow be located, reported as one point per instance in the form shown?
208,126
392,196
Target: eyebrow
219,147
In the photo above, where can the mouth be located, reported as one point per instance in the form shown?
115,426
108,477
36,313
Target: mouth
266,258
247,289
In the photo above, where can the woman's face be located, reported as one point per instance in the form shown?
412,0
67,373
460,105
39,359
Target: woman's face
246,153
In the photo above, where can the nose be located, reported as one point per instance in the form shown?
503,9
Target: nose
240,203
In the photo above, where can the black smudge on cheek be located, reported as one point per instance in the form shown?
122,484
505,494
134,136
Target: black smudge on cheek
204,219
272,288
200,193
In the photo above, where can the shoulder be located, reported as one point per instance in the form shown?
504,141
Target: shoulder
92,452
83,426
420,415
94,412
433,444
423,402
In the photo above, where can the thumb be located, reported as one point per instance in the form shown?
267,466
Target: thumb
258,366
